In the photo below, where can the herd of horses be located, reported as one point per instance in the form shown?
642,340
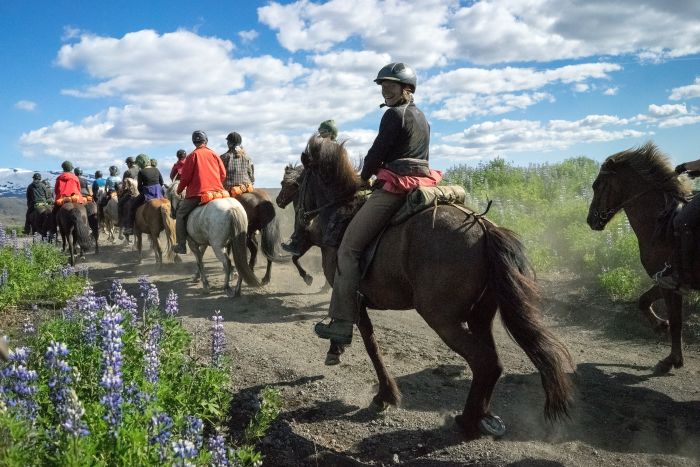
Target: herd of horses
453,266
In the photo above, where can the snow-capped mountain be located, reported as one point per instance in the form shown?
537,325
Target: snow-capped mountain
14,182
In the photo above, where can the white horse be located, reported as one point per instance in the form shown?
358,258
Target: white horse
223,224
110,217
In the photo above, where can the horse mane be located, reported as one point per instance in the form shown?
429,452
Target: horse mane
330,159
653,166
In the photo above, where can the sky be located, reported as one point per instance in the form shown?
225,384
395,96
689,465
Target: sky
529,81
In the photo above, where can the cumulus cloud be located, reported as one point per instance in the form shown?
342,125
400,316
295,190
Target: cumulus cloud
690,91
249,35
612,91
29,106
512,136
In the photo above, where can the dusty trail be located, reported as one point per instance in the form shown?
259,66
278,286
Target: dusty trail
622,416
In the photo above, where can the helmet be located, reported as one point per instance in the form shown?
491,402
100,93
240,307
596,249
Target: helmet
142,160
399,72
98,174
181,153
78,171
234,138
199,137
328,127
67,166
154,163
129,160
36,176
113,170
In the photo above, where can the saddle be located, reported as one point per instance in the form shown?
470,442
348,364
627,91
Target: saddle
78,199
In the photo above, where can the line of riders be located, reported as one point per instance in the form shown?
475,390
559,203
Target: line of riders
398,159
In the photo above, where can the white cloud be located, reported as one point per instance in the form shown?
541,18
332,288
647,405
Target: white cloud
667,110
512,136
690,91
581,87
29,106
249,35
612,91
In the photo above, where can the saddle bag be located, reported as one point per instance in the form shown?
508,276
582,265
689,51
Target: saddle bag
70,199
422,198
207,196
237,190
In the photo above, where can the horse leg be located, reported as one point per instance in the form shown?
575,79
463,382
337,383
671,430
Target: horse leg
646,304
155,244
139,245
268,273
674,304
388,393
252,244
223,256
335,350
308,278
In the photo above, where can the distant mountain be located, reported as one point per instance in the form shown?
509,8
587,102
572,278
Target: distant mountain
14,182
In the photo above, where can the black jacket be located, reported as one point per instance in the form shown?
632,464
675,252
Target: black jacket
147,177
403,133
38,192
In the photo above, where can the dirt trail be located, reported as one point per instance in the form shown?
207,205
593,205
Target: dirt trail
622,415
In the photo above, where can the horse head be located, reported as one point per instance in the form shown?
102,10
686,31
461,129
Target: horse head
607,196
335,176
290,185
172,195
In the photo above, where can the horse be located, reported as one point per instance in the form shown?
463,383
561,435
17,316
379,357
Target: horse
111,217
457,269
94,222
223,224
152,218
72,222
126,191
642,182
261,217
42,221
289,193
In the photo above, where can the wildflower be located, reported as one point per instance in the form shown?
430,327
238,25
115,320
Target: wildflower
161,429
27,326
217,339
28,252
152,297
69,409
219,454
144,285
123,300
4,276
171,306
19,384
136,397
183,449
151,357
112,363
193,431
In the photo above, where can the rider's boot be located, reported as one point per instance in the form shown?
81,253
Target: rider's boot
293,245
339,330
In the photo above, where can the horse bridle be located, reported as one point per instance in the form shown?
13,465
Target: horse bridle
605,216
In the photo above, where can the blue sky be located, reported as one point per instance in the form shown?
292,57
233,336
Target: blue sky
525,80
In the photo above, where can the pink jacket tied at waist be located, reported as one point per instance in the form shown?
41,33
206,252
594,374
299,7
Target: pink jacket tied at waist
402,184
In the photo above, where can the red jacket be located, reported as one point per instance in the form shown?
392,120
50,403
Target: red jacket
203,171
177,169
66,184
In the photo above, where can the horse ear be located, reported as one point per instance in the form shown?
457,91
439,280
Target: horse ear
608,166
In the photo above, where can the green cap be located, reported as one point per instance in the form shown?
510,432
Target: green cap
142,160
328,127
67,166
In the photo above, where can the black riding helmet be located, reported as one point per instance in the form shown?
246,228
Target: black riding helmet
36,176
113,170
98,174
181,153
399,72
129,160
199,137
78,171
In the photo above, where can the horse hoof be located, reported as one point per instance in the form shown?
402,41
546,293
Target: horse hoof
663,367
332,359
378,404
177,259
265,281
492,425
308,279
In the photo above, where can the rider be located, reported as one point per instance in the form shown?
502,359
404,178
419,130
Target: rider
113,180
153,162
67,184
203,171
100,184
150,186
399,159
177,167
85,189
239,168
681,275
132,169
327,129
37,194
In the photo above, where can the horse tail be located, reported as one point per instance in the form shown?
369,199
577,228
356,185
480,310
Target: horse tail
82,229
239,249
270,233
169,230
512,282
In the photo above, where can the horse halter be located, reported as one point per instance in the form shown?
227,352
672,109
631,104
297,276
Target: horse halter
607,215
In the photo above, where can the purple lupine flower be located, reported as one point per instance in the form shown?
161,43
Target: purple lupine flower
152,346
86,305
28,252
19,384
69,409
219,453
183,449
3,236
217,339
123,300
15,241
171,306
28,326
152,297
136,397
112,366
194,428
161,430
4,276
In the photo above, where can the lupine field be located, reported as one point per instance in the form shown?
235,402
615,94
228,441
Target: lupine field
111,380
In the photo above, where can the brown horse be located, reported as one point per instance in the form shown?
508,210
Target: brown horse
457,270
641,181
94,222
42,221
261,217
152,218
293,174
72,222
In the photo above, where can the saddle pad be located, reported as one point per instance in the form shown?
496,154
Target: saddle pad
422,198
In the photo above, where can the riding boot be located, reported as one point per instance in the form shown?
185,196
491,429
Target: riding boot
292,246
687,255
